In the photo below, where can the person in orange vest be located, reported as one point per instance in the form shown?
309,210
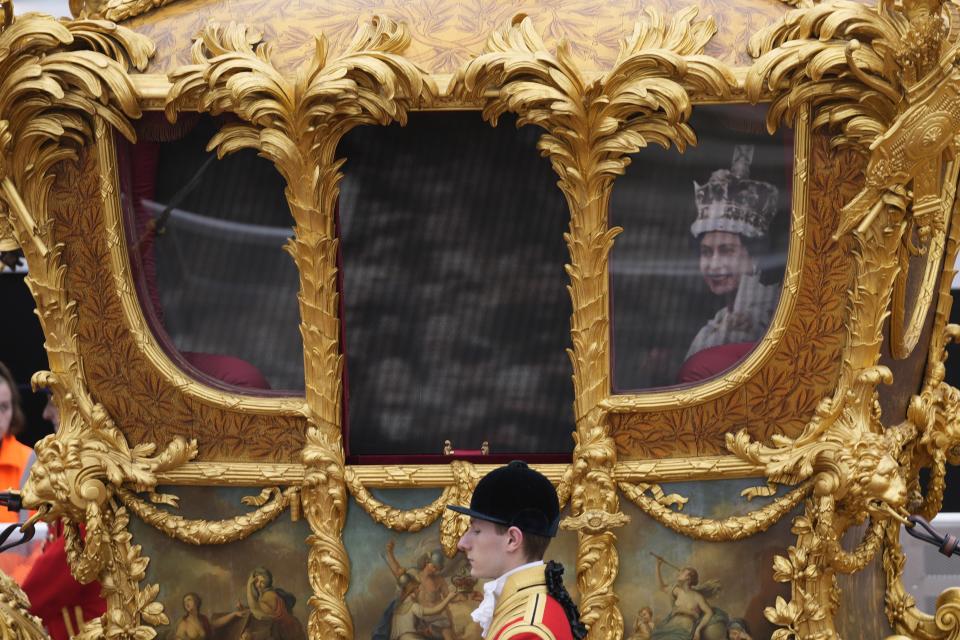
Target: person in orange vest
13,455
514,513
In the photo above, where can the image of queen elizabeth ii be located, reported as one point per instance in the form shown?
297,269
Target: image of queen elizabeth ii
731,230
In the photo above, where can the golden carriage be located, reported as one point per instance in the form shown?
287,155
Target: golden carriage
785,472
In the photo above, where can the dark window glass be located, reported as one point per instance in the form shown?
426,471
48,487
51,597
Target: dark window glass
454,292
207,240
697,272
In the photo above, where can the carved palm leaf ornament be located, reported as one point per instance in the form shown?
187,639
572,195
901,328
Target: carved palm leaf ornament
57,81
296,123
591,126
878,78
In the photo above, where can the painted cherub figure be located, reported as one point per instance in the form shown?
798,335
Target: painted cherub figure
643,625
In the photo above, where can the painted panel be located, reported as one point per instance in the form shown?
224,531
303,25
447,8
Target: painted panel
254,589
380,603
733,579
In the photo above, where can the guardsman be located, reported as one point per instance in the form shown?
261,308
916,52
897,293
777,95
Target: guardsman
514,513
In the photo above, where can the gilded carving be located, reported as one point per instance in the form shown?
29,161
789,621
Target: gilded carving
657,506
398,519
16,622
62,80
871,78
864,72
932,416
443,35
591,125
271,503
297,124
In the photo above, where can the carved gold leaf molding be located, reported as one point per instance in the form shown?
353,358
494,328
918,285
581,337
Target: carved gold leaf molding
60,81
591,126
16,622
257,474
934,414
297,124
873,76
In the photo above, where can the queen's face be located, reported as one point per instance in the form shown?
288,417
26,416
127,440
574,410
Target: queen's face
724,260
189,604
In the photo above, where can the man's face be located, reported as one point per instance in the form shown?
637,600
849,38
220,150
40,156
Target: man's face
723,261
486,550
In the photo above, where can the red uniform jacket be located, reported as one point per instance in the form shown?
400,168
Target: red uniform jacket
525,611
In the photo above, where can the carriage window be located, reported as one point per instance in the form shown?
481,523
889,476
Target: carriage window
456,314
206,238
696,273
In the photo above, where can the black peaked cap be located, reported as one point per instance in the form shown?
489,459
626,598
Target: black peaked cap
515,496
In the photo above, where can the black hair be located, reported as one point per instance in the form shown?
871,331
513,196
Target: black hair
554,579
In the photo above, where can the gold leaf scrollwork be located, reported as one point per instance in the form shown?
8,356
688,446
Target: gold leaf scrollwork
297,124
932,417
16,622
732,528
880,79
452,527
271,503
408,520
60,81
591,127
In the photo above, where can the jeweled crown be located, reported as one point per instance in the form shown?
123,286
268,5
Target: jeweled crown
730,201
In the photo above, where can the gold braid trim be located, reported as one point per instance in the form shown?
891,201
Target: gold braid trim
200,532
732,528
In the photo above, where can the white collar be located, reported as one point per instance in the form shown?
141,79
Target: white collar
483,614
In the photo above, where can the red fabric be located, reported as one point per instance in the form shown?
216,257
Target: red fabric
51,587
227,369
554,620
709,362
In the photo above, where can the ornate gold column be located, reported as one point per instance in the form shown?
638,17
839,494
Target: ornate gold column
297,124
62,84
591,126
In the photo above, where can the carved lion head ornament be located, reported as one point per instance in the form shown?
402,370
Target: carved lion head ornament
864,476
849,456
79,467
